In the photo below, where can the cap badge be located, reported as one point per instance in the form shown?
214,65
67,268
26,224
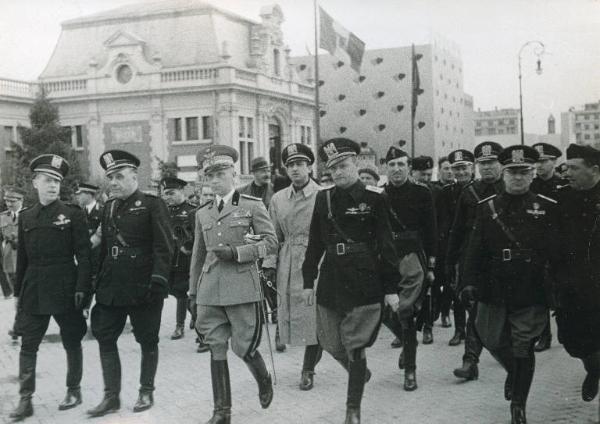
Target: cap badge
540,149
292,149
138,203
330,150
458,156
518,156
108,159
486,150
56,162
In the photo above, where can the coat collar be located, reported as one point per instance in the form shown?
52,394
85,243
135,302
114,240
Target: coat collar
306,191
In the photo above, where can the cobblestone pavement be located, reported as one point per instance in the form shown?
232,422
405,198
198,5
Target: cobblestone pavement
184,394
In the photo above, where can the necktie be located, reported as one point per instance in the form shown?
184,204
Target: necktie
221,204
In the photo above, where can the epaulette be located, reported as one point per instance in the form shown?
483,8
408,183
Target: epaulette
547,198
562,187
486,199
374,189
147,193
247,196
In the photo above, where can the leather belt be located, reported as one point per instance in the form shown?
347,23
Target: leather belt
116,251
341,249
511,254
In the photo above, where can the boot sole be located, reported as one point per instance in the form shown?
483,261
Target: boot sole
97,415
465,376
67,407
145,408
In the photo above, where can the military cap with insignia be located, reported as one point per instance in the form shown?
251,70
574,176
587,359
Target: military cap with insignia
488,150
259,163
170,183
338,149
115,160
547,151
295,152
216,157
422,163
369,171
87,188
460,157
395,153
518,156
579,151
52,165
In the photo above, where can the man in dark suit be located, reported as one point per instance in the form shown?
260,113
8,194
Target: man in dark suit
86,198
261,187
52,279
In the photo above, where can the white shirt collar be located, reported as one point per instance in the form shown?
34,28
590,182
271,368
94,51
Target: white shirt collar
225,198
90,206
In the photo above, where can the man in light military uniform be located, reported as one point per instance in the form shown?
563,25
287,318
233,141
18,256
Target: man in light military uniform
231,234
9,219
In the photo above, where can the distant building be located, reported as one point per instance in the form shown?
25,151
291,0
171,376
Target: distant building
581,125
164,79
374,106
499,125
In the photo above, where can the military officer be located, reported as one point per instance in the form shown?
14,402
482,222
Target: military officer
547,182
350,226
135,261
86,198
415,236
182,215
232,233
512,246
461,162
9,220
578,284
52,279
490,169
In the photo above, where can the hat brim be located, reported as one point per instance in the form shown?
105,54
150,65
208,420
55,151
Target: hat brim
217,167
119,167
486,158
50,173
519,165
261,168
85,190
298,158
340,157
460,163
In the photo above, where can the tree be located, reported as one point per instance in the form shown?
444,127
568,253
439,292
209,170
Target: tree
45,135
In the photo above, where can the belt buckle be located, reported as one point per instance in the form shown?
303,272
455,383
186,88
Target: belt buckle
114,251
340,249
506,255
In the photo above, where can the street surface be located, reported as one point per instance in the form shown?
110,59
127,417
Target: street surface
184,395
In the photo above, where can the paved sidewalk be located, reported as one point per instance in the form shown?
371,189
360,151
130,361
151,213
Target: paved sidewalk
184,393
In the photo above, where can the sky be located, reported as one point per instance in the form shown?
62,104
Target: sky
489,34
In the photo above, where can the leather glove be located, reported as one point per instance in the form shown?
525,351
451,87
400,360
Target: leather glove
191,305
224,253
79,300
468,295
393,301
270,275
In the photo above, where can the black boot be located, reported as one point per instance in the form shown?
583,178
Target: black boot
396,343
427,335
356,384
410,359
111,373
446,321
589,389
279,347
458,337
74,372
180,319
401,363
545,341
219,371
505,358
147,373
469,370
263,378
345,363
24,409
312,356
522,376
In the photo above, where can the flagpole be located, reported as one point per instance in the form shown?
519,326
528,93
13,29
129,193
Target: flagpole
316,65
412,103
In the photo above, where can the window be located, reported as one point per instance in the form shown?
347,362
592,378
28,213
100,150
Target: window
243,163
250,128
586,137
242,127
309,135
586,126
597,136
492,131
78,139
500,131
276,60
8,135
478,131
302,134
207,130
177,135
512,122
246,136
490,123
191,128
478,123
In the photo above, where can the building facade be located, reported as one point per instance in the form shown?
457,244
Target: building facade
163,80
581,125
374,105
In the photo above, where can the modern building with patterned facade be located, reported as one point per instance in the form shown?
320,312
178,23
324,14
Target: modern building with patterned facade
582,125
164,79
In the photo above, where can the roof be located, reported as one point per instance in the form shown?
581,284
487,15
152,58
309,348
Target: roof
180,32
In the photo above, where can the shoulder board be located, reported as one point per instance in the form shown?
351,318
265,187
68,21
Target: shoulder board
448,185
562,187
486,199
205,204
247,196
24,209
547,198
374,189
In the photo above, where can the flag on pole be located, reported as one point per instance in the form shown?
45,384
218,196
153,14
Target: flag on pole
340,42
416,81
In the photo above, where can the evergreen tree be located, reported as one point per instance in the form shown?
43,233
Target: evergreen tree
45,135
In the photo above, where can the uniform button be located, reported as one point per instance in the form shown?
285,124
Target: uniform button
219,223
220,244
218,234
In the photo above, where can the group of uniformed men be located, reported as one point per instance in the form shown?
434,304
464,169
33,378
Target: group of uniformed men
334,261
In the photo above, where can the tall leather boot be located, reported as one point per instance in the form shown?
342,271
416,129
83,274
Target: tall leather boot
180,319
312,356
74,372
147,372
589,389
257,367
356,384
522,376
505,358
473,347
111,373
344,362
410,357
219,372
24,409
460,322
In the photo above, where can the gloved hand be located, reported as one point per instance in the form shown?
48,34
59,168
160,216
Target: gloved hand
154,293
224,253
79,300
270,274
393,301
468,295
191,304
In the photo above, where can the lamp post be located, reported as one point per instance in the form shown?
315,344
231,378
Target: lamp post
539,51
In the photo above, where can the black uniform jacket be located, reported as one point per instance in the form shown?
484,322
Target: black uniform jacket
183,223
445,209
352,279
549,187
412,204
464,217
53,258
578,283
93,217
513,272
140,259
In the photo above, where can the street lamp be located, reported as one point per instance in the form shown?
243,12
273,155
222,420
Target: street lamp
539,49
